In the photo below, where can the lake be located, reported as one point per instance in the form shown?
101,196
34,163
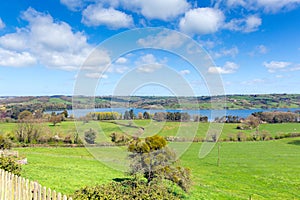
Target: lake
211,114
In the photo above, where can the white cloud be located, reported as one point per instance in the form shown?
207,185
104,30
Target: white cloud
228,68
276,65
262,49
96,15
277,5
185,72
157,9
73,5
148,63
295,68
247,25
269,6
51,43
226,52
254,82
164,39
96,75
2,24
16,59
202,21
121,60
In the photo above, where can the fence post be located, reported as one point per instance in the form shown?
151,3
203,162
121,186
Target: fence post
59,196
54,195
13,187
49,194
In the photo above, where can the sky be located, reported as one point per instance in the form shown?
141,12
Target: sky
131,47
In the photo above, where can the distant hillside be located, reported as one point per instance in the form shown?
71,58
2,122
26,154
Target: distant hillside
60,102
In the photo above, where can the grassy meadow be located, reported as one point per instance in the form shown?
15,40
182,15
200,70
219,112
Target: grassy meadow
260,170
105,128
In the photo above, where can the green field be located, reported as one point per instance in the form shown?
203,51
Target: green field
262,170
152,127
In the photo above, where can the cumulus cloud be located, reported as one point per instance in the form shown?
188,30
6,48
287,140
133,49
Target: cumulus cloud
73,5
148,63
260,49
268,6
157,9
185,72
96,15
273,66
96,75
202,21
232,52
228,68
2,24
48,42
121,60
16,59
164,39
247,25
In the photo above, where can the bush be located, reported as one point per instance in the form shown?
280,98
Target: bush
4,143
120,138
241,136
90,136
10,165
127,190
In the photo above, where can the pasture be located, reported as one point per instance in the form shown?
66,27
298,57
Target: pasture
262,170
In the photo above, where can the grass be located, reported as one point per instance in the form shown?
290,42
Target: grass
262,170
189,129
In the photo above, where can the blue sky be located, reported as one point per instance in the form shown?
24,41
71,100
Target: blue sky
45,45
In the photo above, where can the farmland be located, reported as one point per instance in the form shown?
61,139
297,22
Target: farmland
262,170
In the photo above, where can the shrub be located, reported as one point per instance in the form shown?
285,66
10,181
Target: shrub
241,136
10,165
127,190
4,143
119,138
265,135
90,136
68,139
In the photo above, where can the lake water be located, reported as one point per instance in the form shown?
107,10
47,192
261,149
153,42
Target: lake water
211,114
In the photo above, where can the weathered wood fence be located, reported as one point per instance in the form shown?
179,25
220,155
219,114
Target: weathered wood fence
13,187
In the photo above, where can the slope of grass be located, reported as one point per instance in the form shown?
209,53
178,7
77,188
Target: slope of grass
262,170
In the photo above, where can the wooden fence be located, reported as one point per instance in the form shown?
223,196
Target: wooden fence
13,187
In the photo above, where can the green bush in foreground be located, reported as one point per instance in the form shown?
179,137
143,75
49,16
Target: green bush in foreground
130,189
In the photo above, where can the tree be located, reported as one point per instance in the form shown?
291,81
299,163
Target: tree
250,122
131,114
140,115
90,136
55,119
25,115
126,115
146,115
153,159
65,113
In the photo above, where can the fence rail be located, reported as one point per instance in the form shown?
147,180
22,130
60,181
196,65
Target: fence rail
13,187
